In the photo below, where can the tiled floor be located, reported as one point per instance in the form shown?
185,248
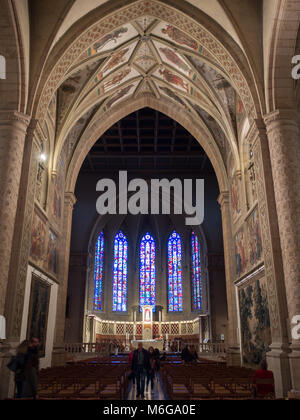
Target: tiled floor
159,393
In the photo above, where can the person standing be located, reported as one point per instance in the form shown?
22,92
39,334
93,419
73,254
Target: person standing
157,359
31,370
151,370
130,357
186,354
20,362
263,381
194,355
140,367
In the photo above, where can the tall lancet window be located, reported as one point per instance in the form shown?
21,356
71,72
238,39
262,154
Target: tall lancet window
120,273
174,273
196,273
147,270
98,273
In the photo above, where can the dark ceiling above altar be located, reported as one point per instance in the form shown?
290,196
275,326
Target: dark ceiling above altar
145,142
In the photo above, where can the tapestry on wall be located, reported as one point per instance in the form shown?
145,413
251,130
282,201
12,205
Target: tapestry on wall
38,311
255,323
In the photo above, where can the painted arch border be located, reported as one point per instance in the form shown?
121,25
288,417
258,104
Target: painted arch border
120,111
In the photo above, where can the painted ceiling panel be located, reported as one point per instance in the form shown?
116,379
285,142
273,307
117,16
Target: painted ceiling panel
150,57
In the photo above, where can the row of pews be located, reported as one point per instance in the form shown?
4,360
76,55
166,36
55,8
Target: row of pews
96,379
206,381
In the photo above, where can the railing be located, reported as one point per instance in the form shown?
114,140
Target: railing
83,348
215,348
212,348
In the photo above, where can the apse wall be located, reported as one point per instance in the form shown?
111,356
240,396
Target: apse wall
87,224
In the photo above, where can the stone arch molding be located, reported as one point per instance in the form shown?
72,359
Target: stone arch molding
280,89
100,125
235,67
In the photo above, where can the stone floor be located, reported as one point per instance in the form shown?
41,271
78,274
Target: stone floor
158,394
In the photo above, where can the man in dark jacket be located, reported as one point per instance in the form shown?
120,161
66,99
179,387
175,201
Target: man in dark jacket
31,370
140,367
186,355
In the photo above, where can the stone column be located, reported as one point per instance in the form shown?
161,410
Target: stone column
200,330
278,356
233,347
92,329
283,133
58,357
13,128
20,247
22,234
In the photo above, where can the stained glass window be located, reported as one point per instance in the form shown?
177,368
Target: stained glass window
120,273
196,273
174,273
147,270
98,273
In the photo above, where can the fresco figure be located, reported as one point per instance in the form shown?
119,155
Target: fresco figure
235,202
117,78
180,37
113,36
173,79
175,59
255,238
115,60
118,96
52,253
241,260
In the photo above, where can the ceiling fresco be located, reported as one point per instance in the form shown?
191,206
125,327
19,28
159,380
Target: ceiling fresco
147,56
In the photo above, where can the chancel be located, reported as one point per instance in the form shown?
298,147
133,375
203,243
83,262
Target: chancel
149,199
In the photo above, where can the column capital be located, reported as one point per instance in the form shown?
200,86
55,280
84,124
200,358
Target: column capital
19,119
224,198
70,199
256,130
34,131
282,116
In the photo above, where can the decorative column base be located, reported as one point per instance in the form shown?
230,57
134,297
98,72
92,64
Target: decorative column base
233,356
278,363
294,359
59,355
7,385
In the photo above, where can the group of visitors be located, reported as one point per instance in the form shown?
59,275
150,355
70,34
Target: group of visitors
144,366
189,354
25,366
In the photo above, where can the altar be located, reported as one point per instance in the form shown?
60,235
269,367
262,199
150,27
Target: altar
156,344
147,331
